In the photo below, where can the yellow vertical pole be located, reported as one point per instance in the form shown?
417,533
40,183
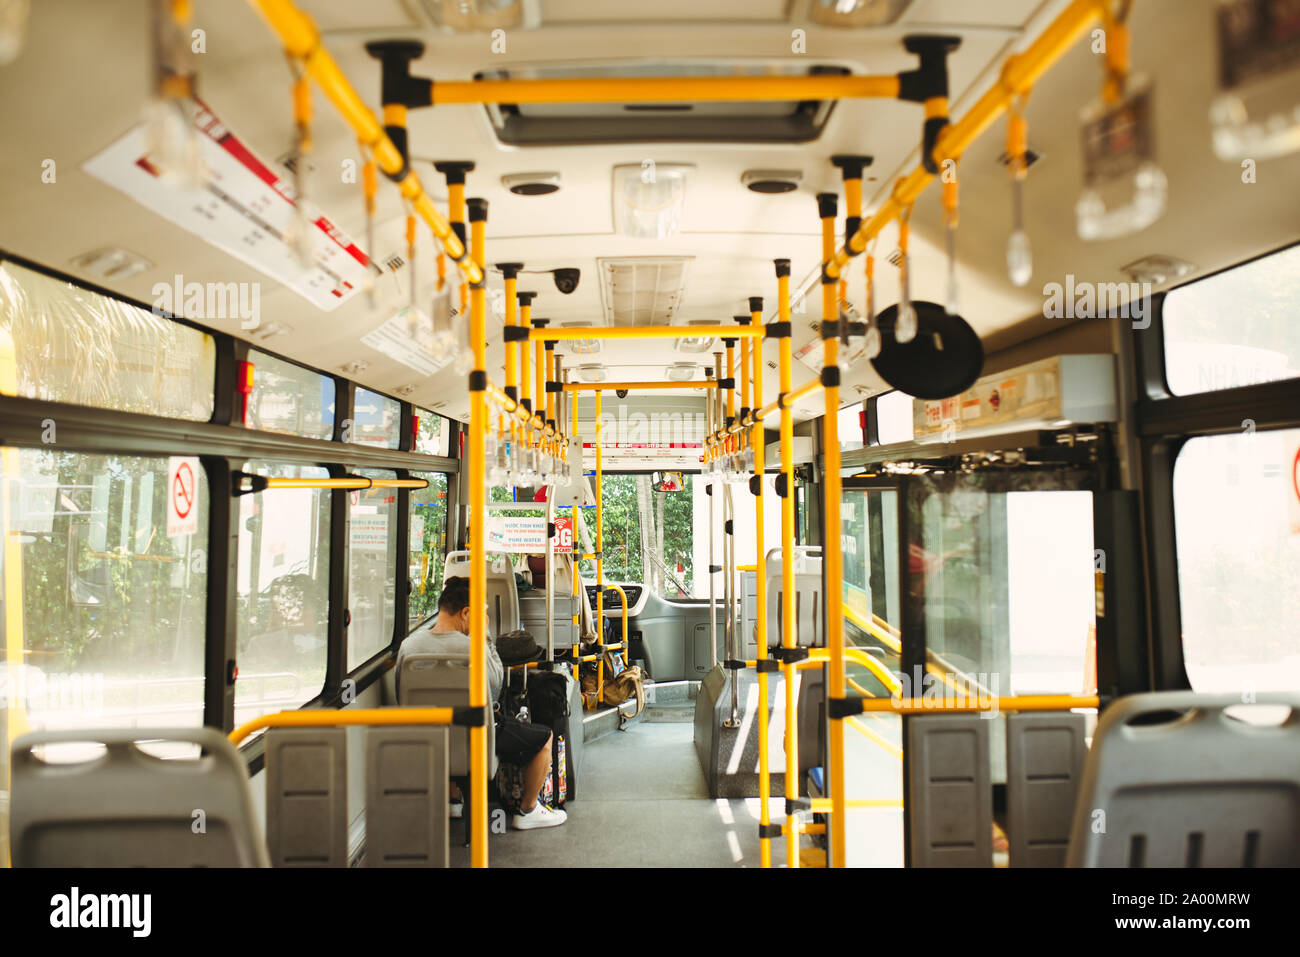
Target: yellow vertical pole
525,378
511,272
731,390
742,438
760,601
785,489
600,562
11,567
552,398
539,370
478,559
831,554
574,513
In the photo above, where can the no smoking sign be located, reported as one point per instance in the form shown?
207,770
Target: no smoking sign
182,495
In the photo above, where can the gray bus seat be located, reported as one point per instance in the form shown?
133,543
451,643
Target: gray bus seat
808,608
808,600
127,808
502,594
306,797
442,681
1045,753
406,797
1199,789
949,791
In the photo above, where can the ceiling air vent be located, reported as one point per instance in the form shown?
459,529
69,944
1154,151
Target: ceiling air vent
642,291
394,262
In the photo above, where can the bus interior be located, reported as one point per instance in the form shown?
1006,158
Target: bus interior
882,415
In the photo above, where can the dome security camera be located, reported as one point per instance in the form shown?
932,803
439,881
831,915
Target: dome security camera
566,280
621,393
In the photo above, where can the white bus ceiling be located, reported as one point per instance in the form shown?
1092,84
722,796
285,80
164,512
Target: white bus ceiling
89,61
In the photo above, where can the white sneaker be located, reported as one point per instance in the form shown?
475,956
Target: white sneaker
539,816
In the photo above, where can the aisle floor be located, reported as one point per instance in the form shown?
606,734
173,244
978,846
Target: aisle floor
642,802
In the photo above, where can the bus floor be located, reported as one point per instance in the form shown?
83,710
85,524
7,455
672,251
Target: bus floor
642,802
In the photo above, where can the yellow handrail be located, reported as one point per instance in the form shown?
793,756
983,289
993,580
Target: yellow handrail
359,482
760,597
332,718
861,657
302,40
625,645
531,420
1019,74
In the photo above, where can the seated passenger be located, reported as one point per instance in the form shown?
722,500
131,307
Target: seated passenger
527,746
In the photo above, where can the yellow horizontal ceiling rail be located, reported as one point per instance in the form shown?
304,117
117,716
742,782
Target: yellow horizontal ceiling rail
695,89
1019,74
332,718
301,39
355,482
568,333
609,386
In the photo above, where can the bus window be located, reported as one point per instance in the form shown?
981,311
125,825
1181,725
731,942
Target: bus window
74,345
1237,528
103,610
290,399
1007,585
1235,328
649,535
372,568
894,418
428,544
283,593
434,434
377,420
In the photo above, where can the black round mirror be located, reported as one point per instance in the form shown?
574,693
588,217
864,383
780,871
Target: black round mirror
944,359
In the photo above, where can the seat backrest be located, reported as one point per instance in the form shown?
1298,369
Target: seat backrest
307,797
808,596
1173,780
502,593
430,680
127,808
406,796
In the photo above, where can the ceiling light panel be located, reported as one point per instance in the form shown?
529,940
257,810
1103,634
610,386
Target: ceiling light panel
642,291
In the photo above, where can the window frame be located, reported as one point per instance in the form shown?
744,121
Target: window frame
1164,422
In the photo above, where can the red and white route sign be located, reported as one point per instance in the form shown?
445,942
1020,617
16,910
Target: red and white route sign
182,495
245,209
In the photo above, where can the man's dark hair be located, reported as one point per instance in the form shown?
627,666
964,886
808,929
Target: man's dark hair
455,595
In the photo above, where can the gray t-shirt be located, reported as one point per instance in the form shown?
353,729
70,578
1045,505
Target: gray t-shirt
426,641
